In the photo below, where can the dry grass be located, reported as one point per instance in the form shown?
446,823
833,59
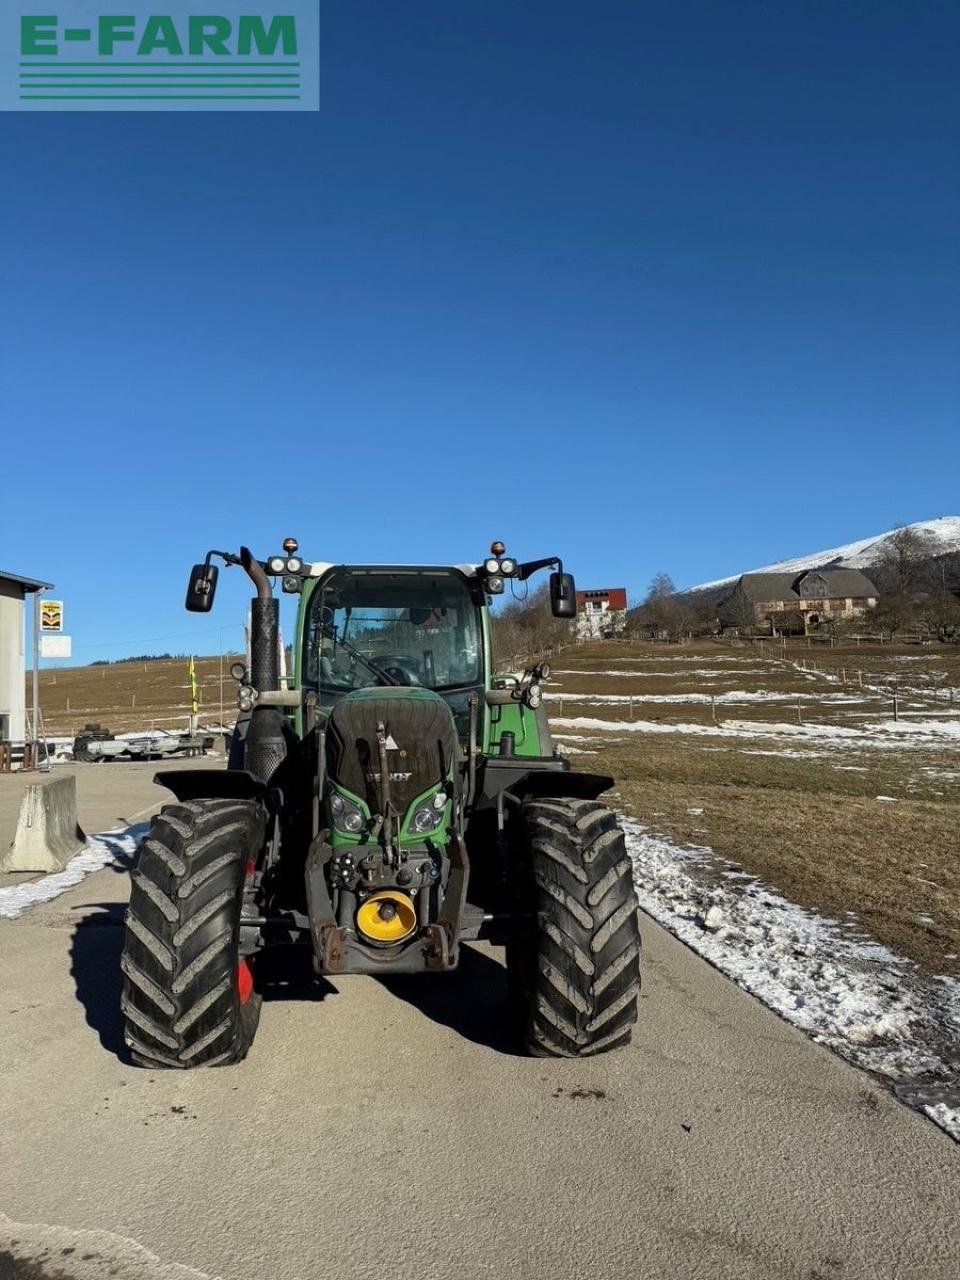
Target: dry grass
133,695
800,813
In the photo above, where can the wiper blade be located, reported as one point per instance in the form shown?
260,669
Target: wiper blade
354,652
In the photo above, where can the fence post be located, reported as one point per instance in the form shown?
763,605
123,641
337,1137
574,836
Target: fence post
713,707
799,711
896,705
631,706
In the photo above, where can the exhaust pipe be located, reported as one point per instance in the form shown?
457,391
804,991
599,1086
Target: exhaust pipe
265,748
264,626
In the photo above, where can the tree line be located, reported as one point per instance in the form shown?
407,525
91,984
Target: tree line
918,590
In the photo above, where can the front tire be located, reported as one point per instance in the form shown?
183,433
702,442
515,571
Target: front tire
188,996
575,979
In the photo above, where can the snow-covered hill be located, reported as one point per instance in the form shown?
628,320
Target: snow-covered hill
943,535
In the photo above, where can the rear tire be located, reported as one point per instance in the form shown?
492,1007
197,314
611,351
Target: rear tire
188,997
575,980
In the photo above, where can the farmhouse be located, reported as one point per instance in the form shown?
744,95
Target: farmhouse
601,612
797,602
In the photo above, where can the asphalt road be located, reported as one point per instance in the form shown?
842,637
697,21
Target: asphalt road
388,1131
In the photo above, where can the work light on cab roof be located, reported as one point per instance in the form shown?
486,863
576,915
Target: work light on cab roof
391,798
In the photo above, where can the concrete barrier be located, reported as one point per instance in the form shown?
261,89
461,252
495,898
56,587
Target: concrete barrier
48,834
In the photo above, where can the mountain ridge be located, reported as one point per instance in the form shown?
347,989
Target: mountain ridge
943,533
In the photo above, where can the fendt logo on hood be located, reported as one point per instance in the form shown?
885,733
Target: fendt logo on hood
112,55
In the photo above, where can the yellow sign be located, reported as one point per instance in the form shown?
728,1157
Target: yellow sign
51,615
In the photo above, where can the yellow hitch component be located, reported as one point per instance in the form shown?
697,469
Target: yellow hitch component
387,917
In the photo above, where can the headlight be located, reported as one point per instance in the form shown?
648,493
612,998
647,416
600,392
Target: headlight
534,696
294,564
346,815
238,670
427,817
492,566
508,567
276,564
495,586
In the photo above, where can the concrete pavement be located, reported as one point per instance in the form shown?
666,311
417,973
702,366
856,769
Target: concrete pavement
388,1130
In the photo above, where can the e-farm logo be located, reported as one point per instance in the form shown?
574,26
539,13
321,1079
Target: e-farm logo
231,55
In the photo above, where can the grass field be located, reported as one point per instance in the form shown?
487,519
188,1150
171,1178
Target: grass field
802,777
134,695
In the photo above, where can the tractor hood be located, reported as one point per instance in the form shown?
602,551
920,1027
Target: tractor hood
420,738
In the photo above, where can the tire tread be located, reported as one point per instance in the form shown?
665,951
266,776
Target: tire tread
180,1003
585,981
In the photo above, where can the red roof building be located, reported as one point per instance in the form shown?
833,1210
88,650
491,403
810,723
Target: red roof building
602,599
601,612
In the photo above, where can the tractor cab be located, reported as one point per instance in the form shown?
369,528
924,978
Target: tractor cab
390,628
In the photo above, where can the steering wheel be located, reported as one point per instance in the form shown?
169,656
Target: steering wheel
399,675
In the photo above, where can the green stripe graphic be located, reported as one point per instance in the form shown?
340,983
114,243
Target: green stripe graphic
145,64
163,82
165,97
161,75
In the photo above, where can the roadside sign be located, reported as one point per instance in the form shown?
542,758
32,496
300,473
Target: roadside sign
52,646
51,615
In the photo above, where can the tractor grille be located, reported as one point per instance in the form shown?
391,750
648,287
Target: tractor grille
420,729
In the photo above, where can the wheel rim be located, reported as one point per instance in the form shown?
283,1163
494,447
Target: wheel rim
244,981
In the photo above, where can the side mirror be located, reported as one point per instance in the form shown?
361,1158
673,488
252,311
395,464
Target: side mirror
202,588
563,595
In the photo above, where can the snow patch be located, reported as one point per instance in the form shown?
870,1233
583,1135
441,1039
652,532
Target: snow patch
101,850
880,735
699,673
846,991
729,696
947,1118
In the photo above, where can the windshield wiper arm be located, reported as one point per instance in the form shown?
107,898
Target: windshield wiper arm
371,666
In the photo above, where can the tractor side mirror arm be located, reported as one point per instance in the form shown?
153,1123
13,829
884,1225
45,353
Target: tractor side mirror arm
529,567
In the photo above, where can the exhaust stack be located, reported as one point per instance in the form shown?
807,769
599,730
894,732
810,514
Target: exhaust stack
264,748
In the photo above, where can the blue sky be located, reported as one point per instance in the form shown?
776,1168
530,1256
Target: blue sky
663,286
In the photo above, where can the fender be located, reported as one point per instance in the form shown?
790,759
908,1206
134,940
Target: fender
536,776
211,784
581,786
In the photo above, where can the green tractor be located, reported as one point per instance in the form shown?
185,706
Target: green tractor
391,800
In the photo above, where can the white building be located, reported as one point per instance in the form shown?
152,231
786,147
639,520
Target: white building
601,612
13,591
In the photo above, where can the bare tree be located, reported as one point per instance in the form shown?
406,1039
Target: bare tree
894,613
526,630
663,611
903,568
941,613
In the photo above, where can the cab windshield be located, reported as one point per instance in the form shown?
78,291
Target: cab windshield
412,627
